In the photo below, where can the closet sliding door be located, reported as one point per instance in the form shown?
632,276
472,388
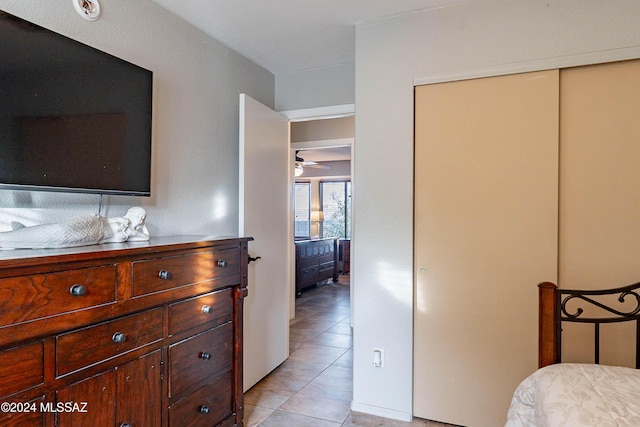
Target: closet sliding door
486,217
600,194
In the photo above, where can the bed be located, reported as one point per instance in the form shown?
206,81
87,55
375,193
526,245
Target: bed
580,394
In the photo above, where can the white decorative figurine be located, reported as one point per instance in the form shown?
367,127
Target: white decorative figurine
84,230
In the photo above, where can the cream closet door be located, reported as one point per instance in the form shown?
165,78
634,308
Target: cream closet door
600,190
486,206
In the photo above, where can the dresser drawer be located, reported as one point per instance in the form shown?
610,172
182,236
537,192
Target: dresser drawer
166,273
206,407
30,416
21,368
84,347
194,361
210,309
40,295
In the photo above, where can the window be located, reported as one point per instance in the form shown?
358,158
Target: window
302,209
336,206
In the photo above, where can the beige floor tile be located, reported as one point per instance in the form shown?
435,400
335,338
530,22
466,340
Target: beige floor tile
260,395
335,383
337,373
316,389
294,345
302,368
317,353
330,315
288,382
314,324
333,302
357,419
303,312
319,407
345,360
313,387
255,415
342,327
334,340
287,419
303,335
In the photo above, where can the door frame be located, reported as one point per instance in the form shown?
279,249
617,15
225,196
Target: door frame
319,113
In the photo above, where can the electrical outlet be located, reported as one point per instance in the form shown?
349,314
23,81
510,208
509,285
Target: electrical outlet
378,357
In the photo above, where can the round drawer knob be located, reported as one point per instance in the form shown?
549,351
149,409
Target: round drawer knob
165,275
119,337
222,263
205,356
77,290
204,409
207,309
125,425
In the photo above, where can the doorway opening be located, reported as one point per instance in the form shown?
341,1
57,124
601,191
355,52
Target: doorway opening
322,150
319,369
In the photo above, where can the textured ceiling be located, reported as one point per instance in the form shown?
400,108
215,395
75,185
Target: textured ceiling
285,36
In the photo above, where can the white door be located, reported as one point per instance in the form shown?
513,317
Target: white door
265,216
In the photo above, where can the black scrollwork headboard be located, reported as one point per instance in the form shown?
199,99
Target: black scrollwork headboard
583,306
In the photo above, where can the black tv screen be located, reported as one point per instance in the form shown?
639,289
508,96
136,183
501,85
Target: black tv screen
72,118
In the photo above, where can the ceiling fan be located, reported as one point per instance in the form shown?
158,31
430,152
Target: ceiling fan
301,164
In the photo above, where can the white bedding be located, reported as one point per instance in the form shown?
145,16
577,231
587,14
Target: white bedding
577,395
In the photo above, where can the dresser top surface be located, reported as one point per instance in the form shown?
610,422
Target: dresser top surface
23,257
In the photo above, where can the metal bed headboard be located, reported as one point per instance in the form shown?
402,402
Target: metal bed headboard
553,306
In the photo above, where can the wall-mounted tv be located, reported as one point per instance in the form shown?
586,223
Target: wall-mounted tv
72,118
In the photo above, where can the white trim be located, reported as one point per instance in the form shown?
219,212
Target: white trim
330,112
241,169
381,412
322,143
566,61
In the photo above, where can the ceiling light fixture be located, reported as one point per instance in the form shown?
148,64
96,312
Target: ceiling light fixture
88,9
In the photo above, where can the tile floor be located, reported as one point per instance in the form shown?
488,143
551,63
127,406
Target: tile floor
313,388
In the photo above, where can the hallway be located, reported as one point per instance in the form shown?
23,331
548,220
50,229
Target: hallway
313,388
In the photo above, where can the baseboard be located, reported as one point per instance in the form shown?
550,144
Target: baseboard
381,412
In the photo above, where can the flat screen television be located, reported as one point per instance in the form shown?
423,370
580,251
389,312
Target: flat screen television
72,118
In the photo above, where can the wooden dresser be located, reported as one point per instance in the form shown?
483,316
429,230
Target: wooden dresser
145,334
316,261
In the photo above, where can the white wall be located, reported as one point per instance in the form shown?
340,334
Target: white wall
480,38
195,128
316,87
320,130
